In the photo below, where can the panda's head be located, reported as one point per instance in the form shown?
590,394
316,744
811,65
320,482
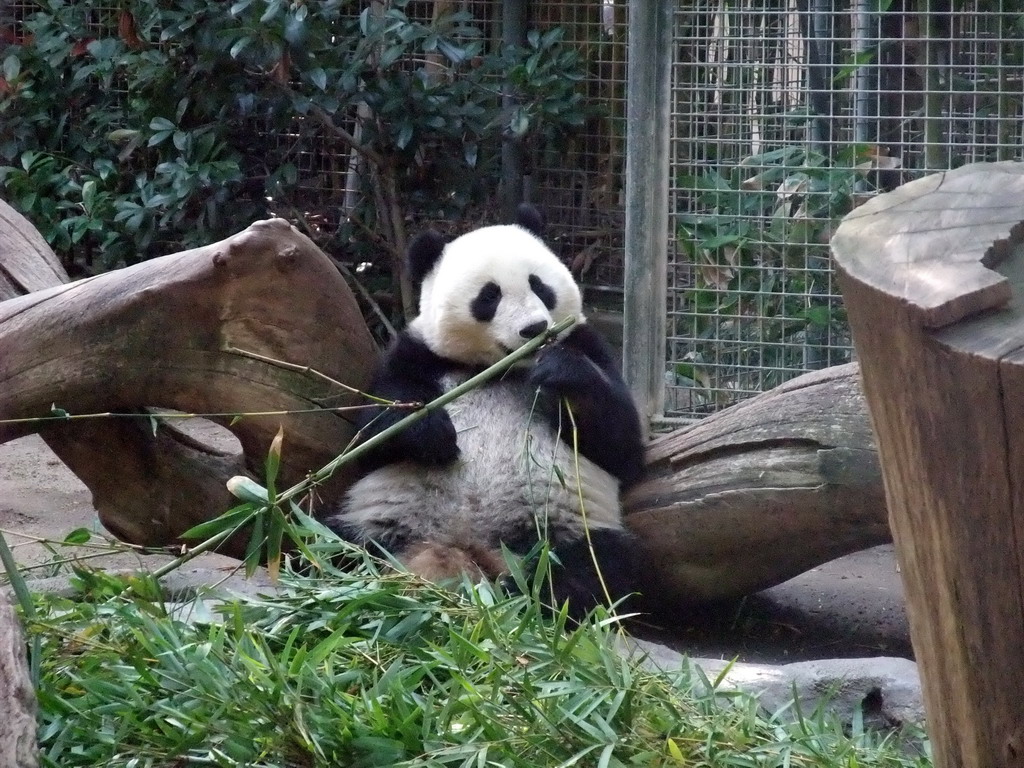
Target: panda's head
486,293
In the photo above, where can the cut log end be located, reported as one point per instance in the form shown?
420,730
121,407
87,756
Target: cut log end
932,278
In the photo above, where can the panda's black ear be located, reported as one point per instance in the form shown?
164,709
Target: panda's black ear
423,254
529,218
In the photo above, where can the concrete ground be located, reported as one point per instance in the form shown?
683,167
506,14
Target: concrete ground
851,607
848,608
41,501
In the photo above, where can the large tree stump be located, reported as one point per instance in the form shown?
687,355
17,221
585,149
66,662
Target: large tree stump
18,747
762,491
174,333
932,275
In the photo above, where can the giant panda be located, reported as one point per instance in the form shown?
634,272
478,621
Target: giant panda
497,466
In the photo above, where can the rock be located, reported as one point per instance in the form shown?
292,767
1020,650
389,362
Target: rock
885,691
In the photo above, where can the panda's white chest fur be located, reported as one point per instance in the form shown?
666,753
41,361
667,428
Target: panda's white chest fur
515,477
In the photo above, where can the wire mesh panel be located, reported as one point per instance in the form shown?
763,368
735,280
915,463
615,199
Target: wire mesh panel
787,114
579,184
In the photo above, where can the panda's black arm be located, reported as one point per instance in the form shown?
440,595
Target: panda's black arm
582,370
409,373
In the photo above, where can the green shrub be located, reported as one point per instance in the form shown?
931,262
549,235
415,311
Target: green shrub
134,132
761,306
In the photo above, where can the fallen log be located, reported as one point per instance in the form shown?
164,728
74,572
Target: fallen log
18,748
762,491
738,503
27,263
224,329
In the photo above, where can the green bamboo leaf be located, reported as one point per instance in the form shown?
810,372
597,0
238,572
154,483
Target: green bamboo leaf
254,547
233,518
78,536
273,464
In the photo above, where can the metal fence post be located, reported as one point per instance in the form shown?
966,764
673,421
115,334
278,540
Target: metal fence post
648,94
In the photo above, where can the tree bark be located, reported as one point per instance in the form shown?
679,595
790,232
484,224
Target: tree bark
18,747
762,491
27,263
932,274
174,333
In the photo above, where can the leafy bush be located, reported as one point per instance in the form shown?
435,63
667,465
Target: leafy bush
761,307
133,132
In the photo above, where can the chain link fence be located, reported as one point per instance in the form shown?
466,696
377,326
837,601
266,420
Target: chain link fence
786,115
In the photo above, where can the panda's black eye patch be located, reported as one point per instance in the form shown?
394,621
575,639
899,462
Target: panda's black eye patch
485,305
543,291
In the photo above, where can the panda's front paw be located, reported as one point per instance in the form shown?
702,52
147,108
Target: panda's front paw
431,441
561,368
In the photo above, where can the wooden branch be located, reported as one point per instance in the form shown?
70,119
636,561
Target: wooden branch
26,262
932,275
326,121
18,747
761,492
160,334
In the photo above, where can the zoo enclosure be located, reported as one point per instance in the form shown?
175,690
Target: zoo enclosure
754,126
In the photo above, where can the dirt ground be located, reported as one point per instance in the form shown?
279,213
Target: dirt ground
851,607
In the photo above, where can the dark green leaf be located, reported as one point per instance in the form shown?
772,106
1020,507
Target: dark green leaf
89,195
820,316
78,536
240,45
104,49
404,135
318,77
233,518
273,8
12,68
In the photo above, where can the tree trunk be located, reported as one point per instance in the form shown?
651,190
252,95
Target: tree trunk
18,747
200,332
26,262
762,491
929,274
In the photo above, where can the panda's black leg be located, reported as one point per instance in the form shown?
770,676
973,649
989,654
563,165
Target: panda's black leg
576,579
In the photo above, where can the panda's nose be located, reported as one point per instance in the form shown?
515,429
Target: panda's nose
531,330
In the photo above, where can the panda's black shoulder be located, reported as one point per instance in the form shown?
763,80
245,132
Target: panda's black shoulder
411,356
408,372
